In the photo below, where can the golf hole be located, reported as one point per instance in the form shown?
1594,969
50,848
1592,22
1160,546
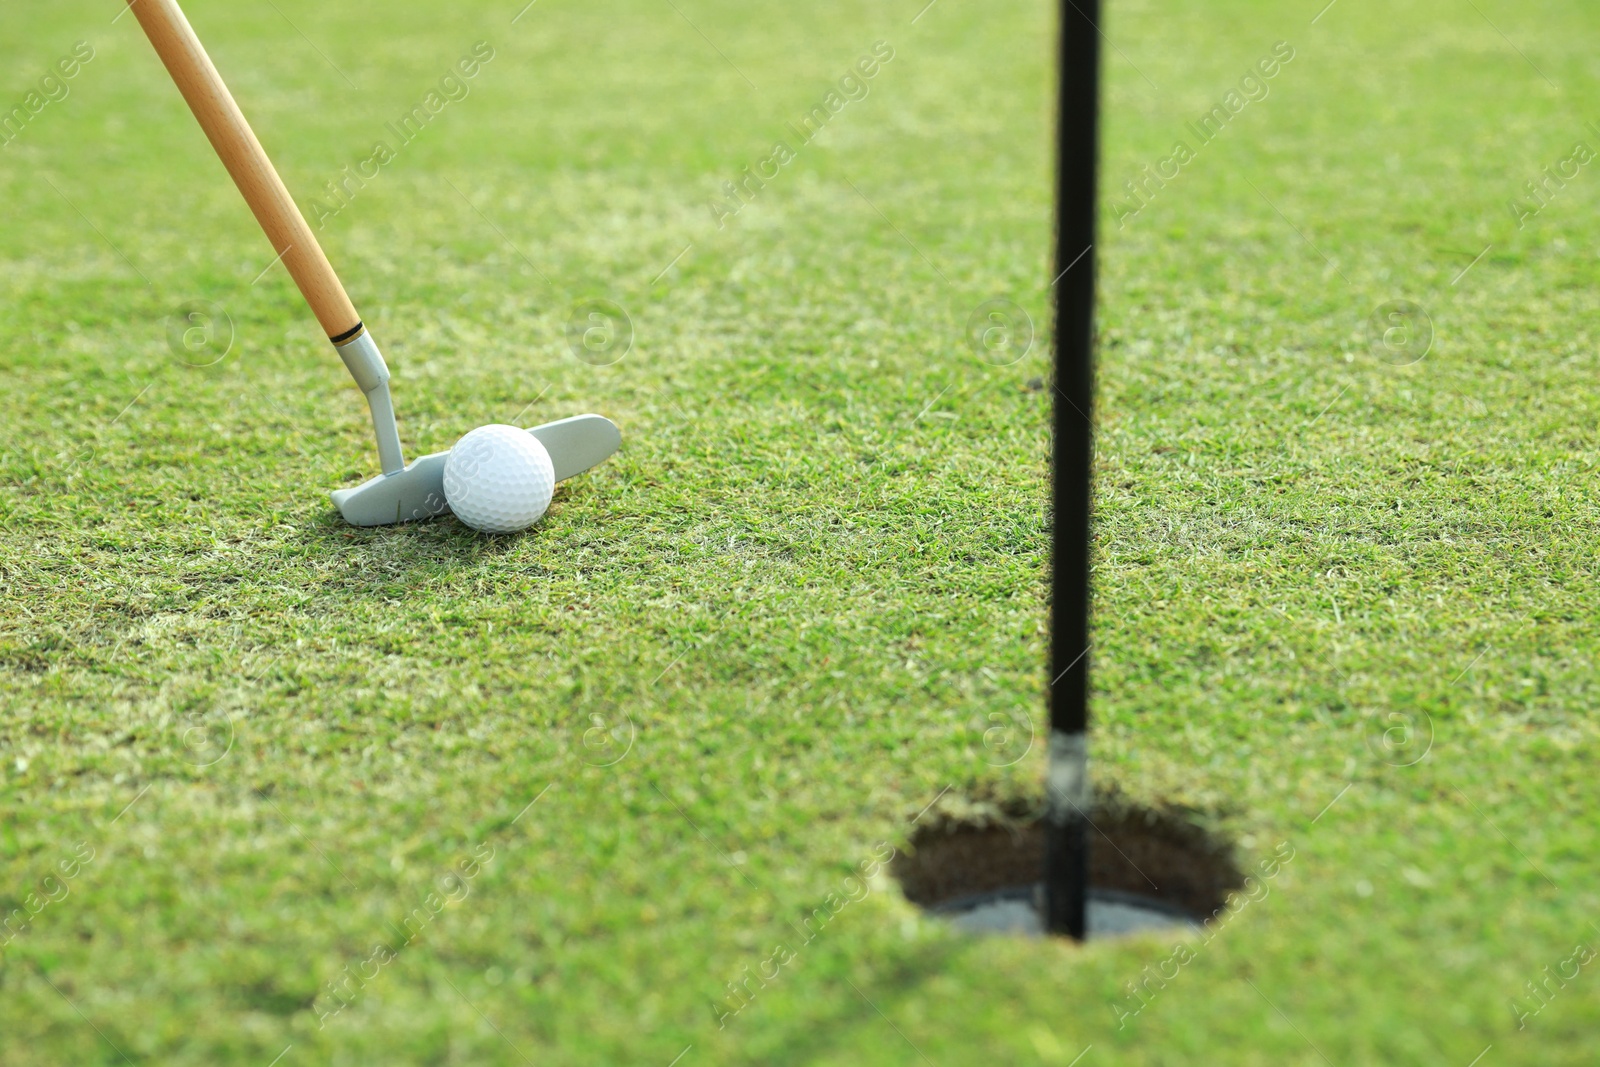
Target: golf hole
1150,869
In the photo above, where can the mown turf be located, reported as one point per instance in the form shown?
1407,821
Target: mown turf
1344,604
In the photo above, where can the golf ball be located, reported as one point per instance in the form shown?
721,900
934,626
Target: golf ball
499,479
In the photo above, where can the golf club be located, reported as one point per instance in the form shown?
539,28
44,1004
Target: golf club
1066,854
402,492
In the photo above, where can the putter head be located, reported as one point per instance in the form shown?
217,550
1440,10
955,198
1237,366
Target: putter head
417,492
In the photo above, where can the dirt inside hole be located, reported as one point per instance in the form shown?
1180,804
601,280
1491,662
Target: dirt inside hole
1155,853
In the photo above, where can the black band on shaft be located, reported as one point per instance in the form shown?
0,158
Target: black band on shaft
354,331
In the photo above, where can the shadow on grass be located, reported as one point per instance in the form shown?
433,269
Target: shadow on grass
859,1003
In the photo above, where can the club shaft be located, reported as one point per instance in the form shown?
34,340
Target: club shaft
241,153
1066,873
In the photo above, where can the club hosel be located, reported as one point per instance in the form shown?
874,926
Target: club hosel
363,360
365,363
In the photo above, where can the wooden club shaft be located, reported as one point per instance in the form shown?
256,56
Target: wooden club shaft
236,145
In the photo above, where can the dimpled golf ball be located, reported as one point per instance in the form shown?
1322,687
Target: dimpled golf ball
499,479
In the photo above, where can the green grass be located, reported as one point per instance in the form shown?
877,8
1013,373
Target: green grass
755,644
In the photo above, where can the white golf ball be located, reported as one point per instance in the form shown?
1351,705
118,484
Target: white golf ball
499,479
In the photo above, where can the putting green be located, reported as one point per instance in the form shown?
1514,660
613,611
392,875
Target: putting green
624,789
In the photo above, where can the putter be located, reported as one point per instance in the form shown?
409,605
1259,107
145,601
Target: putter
402,492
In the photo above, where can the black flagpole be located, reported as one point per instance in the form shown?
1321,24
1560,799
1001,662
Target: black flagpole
1066,858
